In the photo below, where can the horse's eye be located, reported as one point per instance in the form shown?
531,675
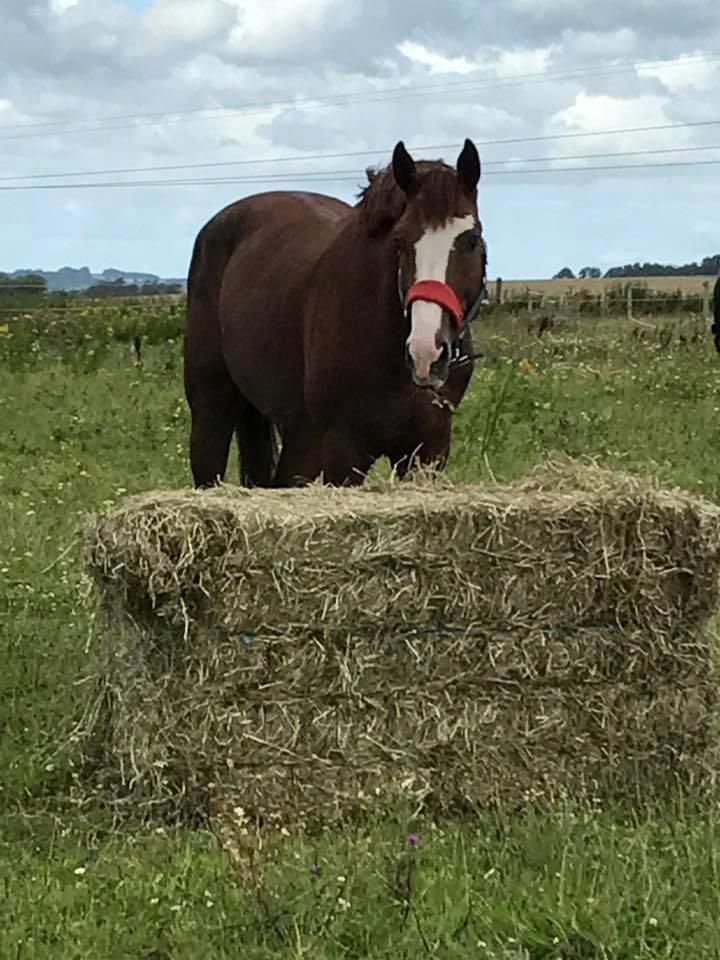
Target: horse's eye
470,240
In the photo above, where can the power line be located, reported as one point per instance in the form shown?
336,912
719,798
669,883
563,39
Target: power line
415,149
329,177
348,99
232,163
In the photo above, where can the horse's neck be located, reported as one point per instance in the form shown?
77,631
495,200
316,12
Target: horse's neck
368,268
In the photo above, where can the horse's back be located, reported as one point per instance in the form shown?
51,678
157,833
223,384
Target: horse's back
250,268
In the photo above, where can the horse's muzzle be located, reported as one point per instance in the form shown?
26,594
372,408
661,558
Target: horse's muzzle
438,372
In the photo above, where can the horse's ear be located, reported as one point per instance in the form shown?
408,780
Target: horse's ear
468,167
404,169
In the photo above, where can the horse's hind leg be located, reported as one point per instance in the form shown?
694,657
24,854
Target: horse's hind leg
214,404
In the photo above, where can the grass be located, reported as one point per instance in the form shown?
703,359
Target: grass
84,429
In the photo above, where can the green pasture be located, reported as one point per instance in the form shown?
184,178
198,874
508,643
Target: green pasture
92,409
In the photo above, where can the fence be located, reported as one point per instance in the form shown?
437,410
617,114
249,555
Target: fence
630,299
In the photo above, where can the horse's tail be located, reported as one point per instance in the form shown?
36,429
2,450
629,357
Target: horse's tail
257,438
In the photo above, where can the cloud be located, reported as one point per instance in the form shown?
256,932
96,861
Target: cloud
436,62
60,6
684,74
261,79
170,24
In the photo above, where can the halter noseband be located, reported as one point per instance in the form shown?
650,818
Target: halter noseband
442,294
439,292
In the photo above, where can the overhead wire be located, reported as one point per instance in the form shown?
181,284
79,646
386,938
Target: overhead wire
331,177
415,149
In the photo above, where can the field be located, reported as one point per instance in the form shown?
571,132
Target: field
688,285
92,409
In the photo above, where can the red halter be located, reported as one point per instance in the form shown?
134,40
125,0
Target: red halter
436,291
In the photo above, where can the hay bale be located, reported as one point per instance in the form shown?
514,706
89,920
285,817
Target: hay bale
302,650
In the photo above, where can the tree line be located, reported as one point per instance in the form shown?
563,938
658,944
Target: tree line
707,267
26,289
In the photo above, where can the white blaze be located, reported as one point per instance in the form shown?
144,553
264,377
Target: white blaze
432,253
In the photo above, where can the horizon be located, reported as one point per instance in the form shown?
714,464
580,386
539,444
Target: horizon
491,277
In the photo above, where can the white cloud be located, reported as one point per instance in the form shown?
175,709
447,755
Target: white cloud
435,62
267,28
185,21
601,112
492,61
591,113
686,73
514,62
59,7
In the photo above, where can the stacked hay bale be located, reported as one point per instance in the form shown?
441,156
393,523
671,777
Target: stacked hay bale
310,652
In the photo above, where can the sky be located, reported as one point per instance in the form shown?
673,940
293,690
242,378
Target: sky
310,92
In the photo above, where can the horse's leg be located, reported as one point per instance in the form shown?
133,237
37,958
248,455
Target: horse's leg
432,452
335,453
346,460
214,405
300,457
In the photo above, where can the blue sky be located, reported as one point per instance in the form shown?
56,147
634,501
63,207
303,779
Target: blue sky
298,78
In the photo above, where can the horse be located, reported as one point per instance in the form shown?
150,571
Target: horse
715,328
327,336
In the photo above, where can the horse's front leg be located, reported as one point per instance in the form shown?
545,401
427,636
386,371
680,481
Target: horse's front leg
335,453
430,449
346,456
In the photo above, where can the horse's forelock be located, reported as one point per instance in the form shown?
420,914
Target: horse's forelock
382,202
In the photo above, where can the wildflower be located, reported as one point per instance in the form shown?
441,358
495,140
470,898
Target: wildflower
314,869
79,871
412,839
525,365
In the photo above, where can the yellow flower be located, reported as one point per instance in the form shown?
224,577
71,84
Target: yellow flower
525,365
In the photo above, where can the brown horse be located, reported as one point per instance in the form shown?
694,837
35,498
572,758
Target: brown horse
340,331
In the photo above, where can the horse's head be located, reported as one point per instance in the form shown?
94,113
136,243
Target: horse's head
441,257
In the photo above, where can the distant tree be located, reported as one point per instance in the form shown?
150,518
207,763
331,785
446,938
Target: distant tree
589,273
564,274
22,290
708,267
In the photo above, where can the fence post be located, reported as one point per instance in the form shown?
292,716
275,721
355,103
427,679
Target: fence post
629,300
498,289
706,300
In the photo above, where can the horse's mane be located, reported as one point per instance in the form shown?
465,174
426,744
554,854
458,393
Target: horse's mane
381,202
